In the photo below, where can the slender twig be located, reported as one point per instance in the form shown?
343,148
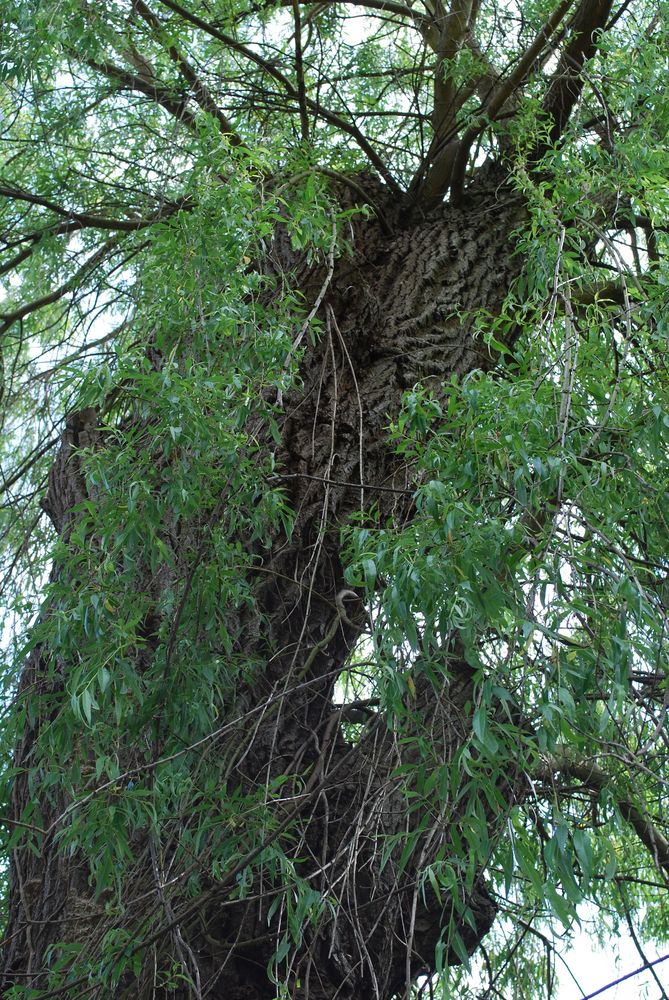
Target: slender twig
637,944
24,826
629,975
342,482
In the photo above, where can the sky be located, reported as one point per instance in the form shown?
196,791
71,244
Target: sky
594,968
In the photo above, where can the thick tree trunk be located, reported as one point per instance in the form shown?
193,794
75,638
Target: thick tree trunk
394,313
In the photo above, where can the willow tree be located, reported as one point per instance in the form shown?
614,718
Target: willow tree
335,421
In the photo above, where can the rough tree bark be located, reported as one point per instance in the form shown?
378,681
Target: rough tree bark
396,311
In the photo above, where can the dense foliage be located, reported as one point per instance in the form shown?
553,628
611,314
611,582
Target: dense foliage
184,187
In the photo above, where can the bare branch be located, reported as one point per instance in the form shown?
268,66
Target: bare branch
607,291
647,964
623,979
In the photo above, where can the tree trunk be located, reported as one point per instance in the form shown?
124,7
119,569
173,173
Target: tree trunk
395,312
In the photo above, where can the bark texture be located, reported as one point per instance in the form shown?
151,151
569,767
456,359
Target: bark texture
395,312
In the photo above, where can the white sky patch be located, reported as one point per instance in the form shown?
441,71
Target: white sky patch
593,967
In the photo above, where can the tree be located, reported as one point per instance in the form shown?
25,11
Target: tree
335,417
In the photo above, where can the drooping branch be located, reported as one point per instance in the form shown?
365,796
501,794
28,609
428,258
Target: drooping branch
592,776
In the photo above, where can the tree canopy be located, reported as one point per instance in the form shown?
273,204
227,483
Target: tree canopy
334,529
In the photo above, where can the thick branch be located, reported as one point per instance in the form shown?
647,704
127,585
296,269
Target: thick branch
499,98
80,220
567,83
451,34
8,319
199,88
448,100
24,254
299,70
384,6
158,92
